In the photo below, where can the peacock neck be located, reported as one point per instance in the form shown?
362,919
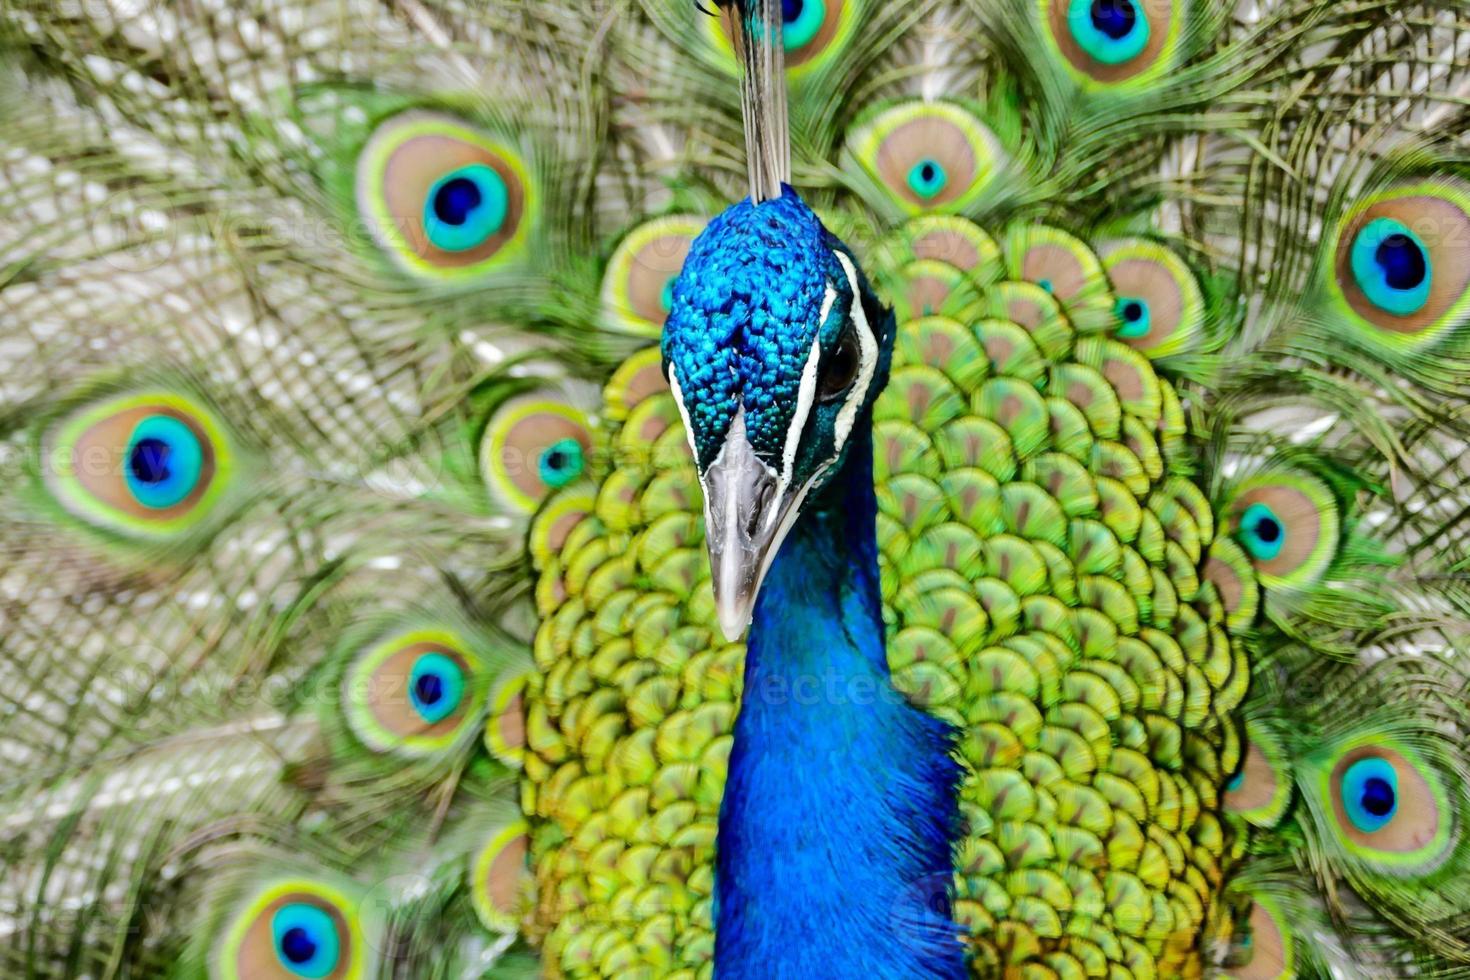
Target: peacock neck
834,848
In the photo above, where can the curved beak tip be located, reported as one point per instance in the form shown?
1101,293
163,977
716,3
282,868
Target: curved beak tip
734,618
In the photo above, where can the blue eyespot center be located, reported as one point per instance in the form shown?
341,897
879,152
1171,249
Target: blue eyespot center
1135,317
1111,32
1047,286
1403,262
149,460
455,200
666,298
561,463
801,22
465,208
1392,267
164,462
927,178
306,940
1262,532
1235,783
435,687
1370,794
1378,797
1115,18
297,945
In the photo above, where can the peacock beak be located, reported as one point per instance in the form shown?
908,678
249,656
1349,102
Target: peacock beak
748,511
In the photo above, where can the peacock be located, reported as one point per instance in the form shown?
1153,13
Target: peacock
644,489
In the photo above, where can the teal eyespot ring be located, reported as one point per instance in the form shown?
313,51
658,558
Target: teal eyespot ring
465,207
927,178
799,30
163,462
1370,794
1134,317
561,463
306,940
435,687
1111,32
1235,782
1262,532
1392,266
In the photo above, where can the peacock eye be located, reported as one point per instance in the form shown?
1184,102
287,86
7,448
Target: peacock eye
1262,532
1112,32
842,367
147,465
306,939
442,198
1392,267
436,686
1370,794
801,22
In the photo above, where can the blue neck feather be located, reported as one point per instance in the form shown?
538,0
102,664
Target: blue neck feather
834,849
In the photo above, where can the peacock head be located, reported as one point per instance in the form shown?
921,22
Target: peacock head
775,348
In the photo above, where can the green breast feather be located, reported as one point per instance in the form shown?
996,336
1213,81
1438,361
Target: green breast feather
1055,583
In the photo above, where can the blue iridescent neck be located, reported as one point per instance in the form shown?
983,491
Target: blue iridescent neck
834,849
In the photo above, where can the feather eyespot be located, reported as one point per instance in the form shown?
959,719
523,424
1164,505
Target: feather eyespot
1112,41
1401,263
811,31
1389,806
1265,952
294,929
1261,791
1288,524
498,874
928,156
1160,309
532,446
307,939
414,693
638,287
443,199
147,465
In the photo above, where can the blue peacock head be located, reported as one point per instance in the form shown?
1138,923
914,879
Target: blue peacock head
775,348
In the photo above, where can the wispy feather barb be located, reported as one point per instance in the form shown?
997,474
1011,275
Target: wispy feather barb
762,57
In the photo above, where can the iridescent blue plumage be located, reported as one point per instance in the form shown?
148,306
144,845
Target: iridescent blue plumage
834,855
746,308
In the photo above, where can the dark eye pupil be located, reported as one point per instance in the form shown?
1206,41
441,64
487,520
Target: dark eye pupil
297,945
1402,262
842,368
429,688
1115,18
149,460
556,459
790,10
455,200
1268,530
927,171
1377,796
1132,312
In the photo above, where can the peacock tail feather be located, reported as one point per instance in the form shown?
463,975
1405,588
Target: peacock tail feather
357,617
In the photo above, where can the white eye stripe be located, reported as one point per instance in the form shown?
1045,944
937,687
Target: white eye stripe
683,414
806,392
867,363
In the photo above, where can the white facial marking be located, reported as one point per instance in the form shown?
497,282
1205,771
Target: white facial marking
806,394
683,414
868,359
